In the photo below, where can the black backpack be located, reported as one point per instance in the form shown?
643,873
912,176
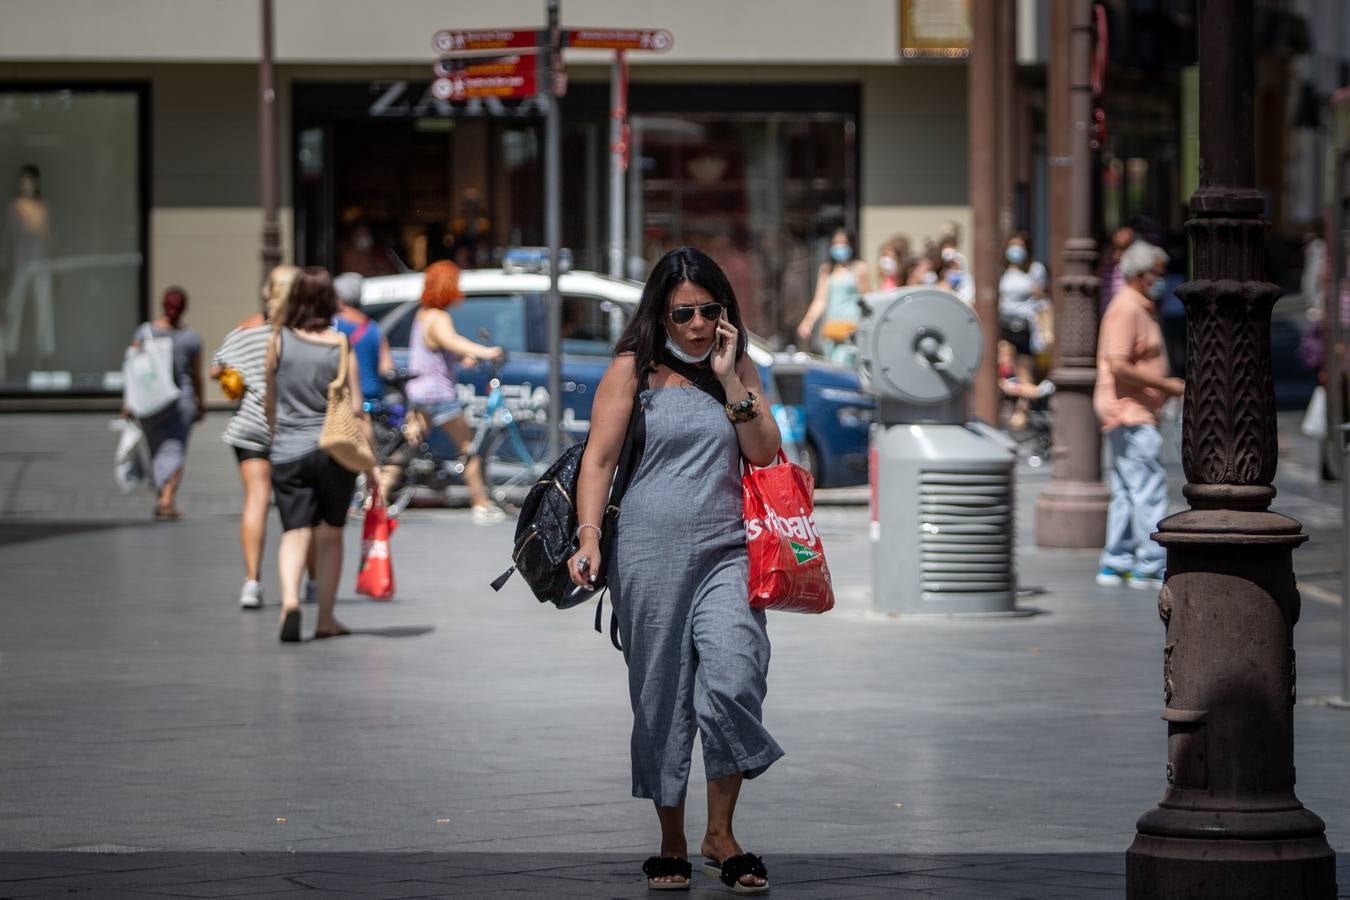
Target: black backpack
546,531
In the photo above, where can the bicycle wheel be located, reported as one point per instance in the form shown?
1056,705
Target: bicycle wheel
509,468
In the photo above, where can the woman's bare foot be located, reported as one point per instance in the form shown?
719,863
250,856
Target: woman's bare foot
721,847
331,628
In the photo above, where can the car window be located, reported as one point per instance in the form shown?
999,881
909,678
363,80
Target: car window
501,316
591,325
396,323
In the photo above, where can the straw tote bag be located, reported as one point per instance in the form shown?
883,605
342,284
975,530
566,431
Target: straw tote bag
342,437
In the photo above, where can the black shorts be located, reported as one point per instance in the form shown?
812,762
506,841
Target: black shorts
1016,331
240,455
311,490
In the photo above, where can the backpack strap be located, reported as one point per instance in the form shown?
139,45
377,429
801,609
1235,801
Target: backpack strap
613,621
360,331
700,377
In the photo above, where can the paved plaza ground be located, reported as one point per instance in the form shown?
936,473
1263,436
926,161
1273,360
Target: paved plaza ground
157,741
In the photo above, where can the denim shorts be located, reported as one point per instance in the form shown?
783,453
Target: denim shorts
442,411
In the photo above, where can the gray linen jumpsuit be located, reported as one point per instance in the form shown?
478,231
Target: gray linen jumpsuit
697,653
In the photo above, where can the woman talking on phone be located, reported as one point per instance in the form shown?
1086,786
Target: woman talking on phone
697,654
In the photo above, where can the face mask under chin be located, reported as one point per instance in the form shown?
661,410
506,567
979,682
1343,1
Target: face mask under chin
681,355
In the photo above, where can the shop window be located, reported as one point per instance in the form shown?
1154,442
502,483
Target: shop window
71,237
758,192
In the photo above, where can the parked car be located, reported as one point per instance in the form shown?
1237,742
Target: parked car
824,424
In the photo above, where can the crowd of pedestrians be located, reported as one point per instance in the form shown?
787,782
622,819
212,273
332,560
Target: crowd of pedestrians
278,365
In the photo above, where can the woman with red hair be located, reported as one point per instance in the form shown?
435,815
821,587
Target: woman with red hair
167,430
433,349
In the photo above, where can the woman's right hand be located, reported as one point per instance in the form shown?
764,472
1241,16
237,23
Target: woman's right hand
584,575
492,353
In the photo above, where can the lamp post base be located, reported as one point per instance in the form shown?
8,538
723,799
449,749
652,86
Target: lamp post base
1072,514
1179,868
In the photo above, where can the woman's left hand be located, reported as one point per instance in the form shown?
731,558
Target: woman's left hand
724,353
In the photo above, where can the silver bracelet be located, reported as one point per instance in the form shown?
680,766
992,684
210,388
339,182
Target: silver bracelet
592,525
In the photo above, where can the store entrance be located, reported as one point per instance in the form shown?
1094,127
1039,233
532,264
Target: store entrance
390,193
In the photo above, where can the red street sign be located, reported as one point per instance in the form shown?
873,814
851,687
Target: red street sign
484,39
507,77
619,38
479,65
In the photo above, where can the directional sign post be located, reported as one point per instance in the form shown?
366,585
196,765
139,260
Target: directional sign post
497,76
515,63
483,39
657,39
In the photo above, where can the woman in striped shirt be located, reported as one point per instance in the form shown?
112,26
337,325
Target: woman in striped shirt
245,352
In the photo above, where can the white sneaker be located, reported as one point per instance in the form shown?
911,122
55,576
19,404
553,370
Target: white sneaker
488,515
251,597
1146,582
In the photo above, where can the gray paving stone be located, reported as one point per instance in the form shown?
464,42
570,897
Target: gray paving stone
144,709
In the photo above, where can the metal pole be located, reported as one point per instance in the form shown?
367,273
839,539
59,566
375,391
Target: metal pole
1332,330
1342,433
553,228
267,98
618,115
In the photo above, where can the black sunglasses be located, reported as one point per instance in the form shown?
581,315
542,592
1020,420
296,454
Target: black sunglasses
683,315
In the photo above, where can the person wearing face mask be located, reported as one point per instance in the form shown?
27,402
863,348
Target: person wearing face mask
697,654
361,255
894,263
1132,386
166,432
840,284
1022,295
955,268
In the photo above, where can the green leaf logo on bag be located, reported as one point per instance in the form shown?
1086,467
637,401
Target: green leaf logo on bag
803,553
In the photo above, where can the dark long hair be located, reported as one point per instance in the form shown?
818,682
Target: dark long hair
646,332
312,302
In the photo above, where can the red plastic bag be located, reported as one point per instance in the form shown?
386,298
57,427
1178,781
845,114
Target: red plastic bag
787,562
375,577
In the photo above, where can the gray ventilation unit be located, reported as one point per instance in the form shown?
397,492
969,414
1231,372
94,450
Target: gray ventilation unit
945,522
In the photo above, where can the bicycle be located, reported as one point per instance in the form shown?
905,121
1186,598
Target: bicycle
511,438
512,457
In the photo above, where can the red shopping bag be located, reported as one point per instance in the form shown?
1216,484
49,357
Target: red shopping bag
787,562
375,577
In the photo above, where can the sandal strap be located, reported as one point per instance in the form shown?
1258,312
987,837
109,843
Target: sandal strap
665,866
734,868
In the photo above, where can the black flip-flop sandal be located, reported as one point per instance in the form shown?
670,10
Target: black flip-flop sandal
731,870
664,867
290,627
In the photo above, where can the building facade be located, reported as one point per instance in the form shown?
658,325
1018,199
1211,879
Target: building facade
766,126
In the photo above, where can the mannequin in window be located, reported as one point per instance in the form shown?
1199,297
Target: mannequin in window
25,239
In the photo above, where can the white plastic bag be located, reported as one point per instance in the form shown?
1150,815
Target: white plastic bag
1169,428
1315,419
131,461
148,385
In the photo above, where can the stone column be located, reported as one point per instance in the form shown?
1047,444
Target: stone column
1071,511
1229,824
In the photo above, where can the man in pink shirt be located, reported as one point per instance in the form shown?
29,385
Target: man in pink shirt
1132,385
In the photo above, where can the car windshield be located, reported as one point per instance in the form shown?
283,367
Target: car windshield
501,316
